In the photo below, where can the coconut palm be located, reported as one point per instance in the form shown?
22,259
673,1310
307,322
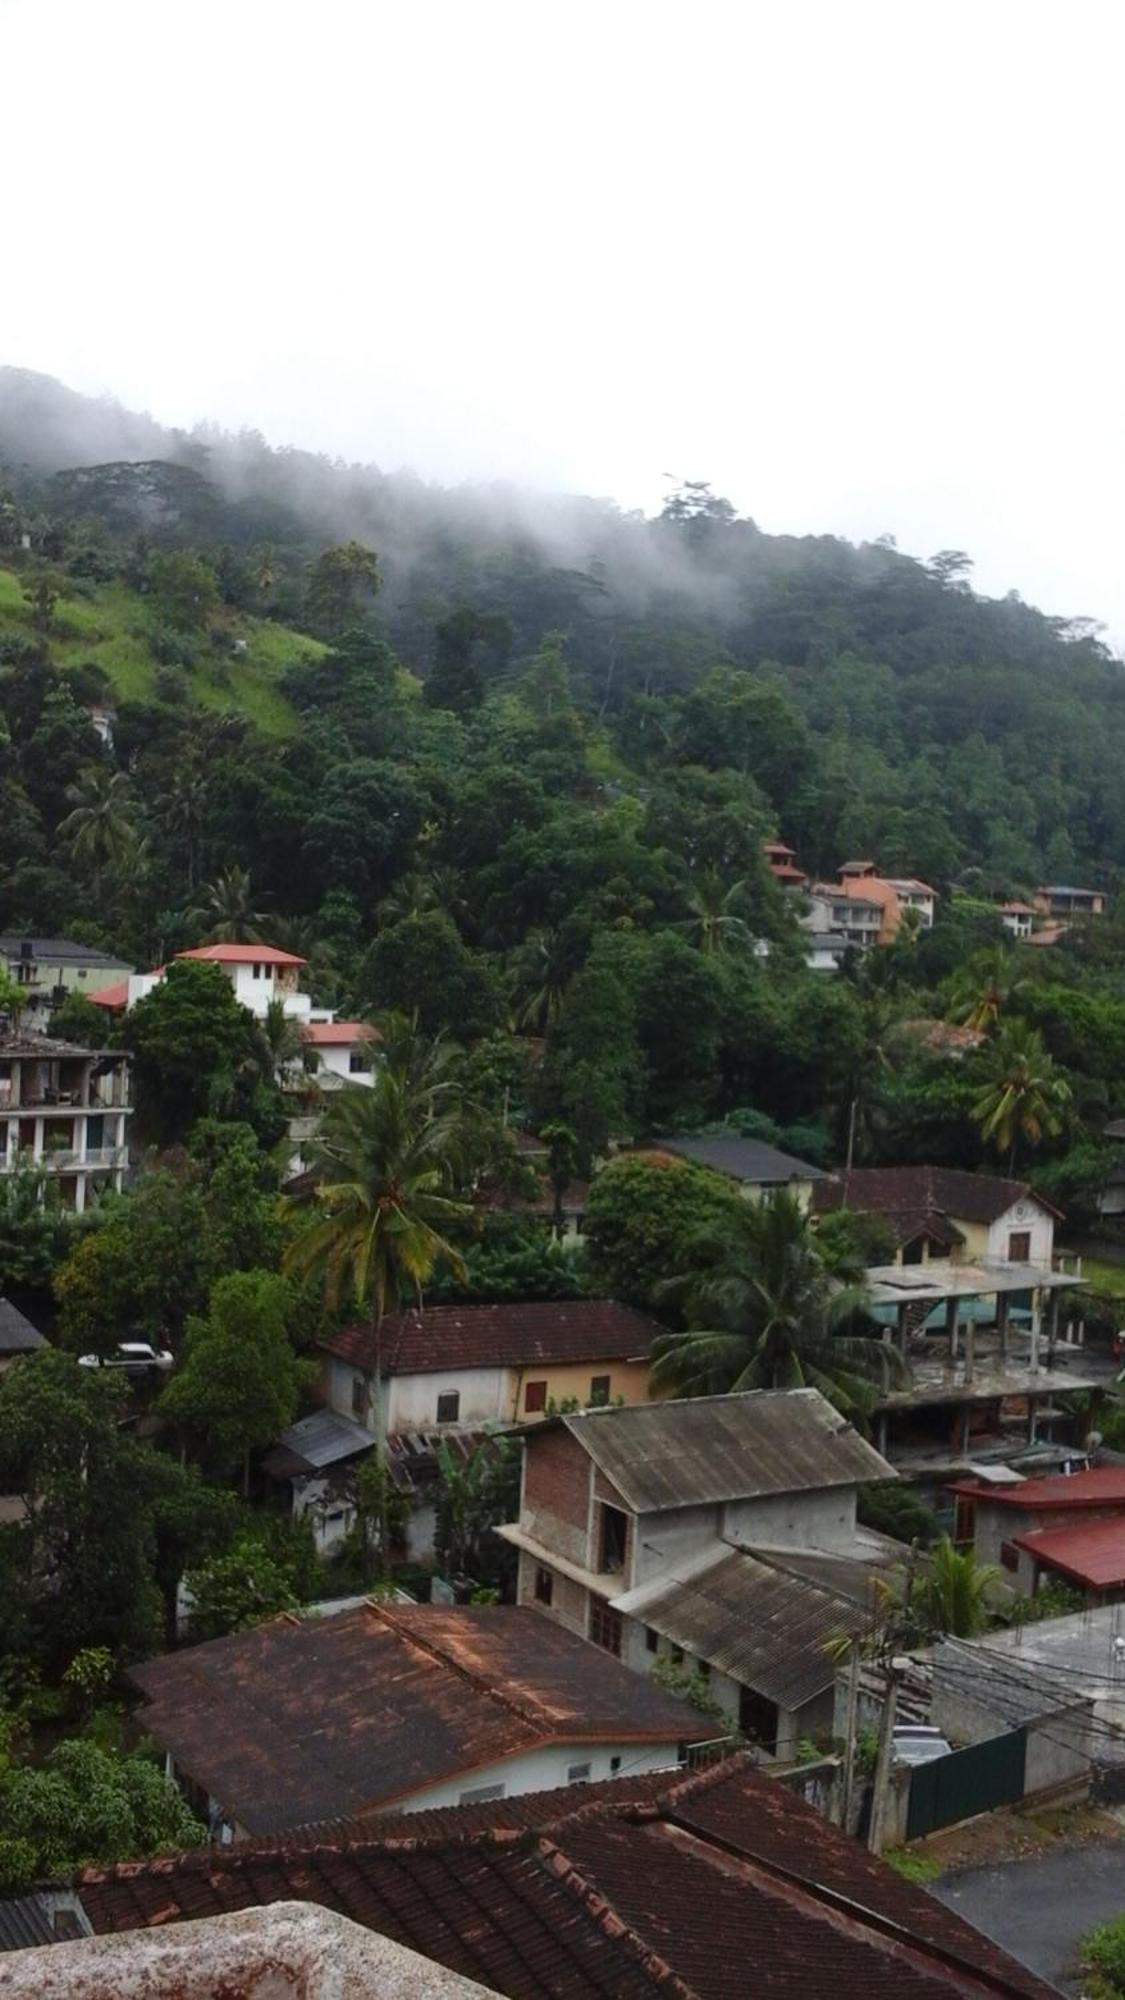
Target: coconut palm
985,989
227,910
764,1312
183,814
1025,1097
385,1159
714,921
540,974
283,1038
945,1591
99,829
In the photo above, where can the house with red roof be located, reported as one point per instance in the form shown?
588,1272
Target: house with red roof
1070,1528
259,974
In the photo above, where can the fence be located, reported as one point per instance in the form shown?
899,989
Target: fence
966,1782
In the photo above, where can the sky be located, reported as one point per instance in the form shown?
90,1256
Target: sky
859,265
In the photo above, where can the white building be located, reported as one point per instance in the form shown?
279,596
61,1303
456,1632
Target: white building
1018,919
259,974
64,1111
342,1049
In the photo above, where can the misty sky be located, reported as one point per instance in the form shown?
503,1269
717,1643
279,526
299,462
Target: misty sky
857,264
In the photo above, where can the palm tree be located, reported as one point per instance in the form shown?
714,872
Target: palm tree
1024,1097
541,972
184,814
385,1157
98,829
866,1072
227,910
283,1039
765,1313
714,921
945,1591
985,988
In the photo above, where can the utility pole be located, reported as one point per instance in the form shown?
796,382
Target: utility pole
883,1765
848,1787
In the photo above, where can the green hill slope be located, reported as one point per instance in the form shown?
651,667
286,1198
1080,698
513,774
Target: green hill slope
239,664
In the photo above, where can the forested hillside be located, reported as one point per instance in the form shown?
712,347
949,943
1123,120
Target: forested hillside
509,760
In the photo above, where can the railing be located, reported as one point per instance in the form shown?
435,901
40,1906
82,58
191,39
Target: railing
56,1159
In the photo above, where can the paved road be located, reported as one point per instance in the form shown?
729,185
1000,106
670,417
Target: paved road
1039,1909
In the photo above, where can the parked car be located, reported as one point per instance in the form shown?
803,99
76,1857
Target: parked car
135,1356
917,1743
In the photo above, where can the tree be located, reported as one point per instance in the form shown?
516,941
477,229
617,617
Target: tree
641,1210
340,582
455,681
227,910
1024,1097
99,829
13,997
562,1167
474,1494
84,1805
239,1382
540,972
252,1580
384,1159
764,1313
35,1230
182,590
716,922
949,1594
985,989
198,1053
139,1271
42,589
76,1019
423,964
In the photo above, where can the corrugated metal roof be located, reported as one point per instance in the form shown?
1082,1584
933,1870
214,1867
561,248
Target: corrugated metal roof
17,1335
762,1625
324,1439
714,1448
742,1159
1093,1557
25,1921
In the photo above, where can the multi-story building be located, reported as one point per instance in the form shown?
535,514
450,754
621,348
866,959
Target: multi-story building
1060,899
259,974
47,969
65,1111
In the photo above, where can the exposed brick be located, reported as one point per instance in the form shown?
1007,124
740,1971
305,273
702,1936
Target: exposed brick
556,1493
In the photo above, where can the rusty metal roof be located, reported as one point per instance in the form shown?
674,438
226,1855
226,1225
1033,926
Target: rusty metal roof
714,1448
759,1623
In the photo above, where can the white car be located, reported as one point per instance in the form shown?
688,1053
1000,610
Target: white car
135,1356
917,1743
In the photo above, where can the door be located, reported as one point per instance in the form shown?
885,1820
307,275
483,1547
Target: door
758,1718
1019,1246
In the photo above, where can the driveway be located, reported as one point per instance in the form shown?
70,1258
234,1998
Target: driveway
1039,1909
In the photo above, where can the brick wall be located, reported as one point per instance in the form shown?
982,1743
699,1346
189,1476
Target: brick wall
556,1493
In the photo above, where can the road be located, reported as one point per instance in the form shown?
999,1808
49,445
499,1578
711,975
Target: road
1040,1908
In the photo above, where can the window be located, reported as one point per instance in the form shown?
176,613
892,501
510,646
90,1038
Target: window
258,971
578,1774
599,1389
359,1396
913,1253
1019,1246
605,1627
613,1531
652,1640
449,1406
357,1063
614,1766
544,1585
1009,1555
479,1795
677,1656
703,1669
535,1396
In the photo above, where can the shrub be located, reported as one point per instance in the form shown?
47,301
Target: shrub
1103,1959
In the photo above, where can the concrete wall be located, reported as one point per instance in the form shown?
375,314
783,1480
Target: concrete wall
542,1769
664,1541
991,1241
569,1381
819,1520
485,1398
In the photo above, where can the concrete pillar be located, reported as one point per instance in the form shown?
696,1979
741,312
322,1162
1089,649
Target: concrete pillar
1035,1297
1002,1310
79,1193
881,1433
37,1149
970,1347
1031,1420
900,1325
1052,1328
952,1307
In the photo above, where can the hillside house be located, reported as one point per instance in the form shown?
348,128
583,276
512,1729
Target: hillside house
410,1707
759,1170
65,1111
344,1050
944,1212
259,974
317,1458
1018,918
466,1367
712,1883
46,969
869,907
783,865
717,1534
1060,899
1070,1528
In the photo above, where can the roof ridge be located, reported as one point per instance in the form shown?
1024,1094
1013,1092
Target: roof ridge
574,1883
537,1718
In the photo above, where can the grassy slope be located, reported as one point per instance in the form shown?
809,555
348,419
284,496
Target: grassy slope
108,628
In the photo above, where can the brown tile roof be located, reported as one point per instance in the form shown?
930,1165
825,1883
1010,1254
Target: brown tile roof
939,1191
324,1718
720,1885
713,1448
497,1336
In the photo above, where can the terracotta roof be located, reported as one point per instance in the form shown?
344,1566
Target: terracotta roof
787,872
111,996
737,1447
243,954
1019,909
946,1191
338,1034
1101,1486
538,1335
325,1717
719,1885
1049,934
945,1037
1093,1556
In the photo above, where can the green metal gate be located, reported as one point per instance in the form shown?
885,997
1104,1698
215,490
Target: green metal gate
966,1782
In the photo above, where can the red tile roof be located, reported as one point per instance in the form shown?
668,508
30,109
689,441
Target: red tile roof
540,1335
111,996
1103,1486
338,1034
1093,1556
243,954
717,1885
947,1191
321,1718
